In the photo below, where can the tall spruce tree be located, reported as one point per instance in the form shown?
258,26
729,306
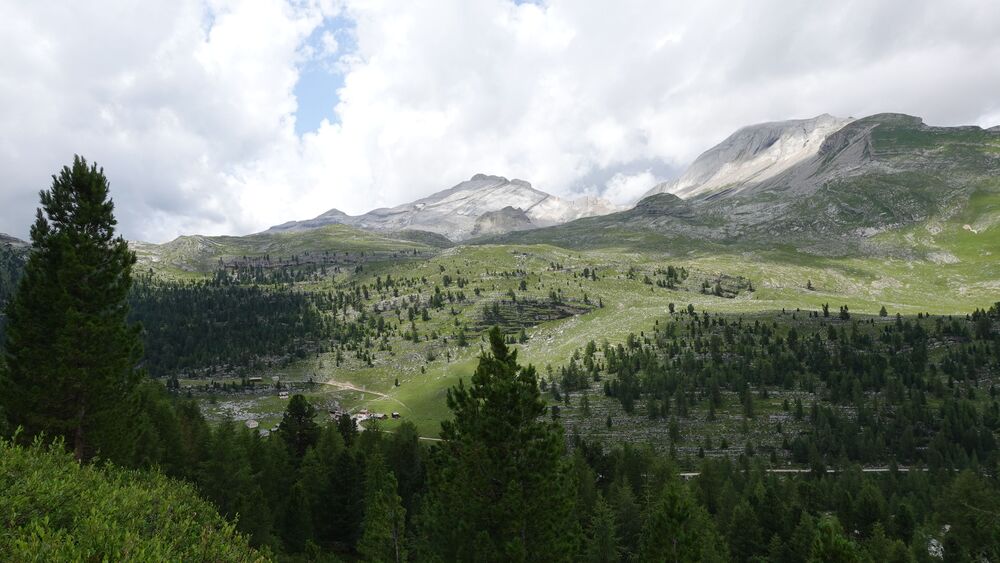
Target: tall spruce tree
602,540
677,528
500,491
298,426
71,356
384,526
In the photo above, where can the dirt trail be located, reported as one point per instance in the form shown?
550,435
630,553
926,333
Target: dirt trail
351,387
425,438
690,474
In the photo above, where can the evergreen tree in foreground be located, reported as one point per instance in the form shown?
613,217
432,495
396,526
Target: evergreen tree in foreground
499,491
678,529
602,543
71,356
382,539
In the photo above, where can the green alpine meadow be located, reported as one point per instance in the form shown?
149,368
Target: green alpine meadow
500,281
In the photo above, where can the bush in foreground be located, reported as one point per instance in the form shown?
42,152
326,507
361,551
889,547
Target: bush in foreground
53,509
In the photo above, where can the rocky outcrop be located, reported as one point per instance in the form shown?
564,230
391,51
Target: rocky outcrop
501,221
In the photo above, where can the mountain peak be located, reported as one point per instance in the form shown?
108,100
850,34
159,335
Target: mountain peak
454,212
754,153
895,119
334,213
487,177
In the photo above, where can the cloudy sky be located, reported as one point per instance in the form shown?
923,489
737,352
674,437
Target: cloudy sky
218,116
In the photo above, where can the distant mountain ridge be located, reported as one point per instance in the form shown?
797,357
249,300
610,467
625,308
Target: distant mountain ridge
456,212
887,185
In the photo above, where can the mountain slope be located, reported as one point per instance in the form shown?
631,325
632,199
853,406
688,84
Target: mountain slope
329,246
753,154
454,212
869,182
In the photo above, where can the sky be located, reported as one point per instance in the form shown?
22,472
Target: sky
229,116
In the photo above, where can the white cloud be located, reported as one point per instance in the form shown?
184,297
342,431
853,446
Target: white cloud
330,44
190,106
988,120
628,188
169,97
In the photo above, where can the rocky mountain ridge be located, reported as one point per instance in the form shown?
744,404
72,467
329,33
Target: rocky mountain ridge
886,184
753,154
467,209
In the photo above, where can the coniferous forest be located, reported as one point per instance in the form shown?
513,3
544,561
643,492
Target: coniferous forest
883,448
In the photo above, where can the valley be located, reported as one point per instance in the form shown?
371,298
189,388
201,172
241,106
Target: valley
474,277
813,329
396,314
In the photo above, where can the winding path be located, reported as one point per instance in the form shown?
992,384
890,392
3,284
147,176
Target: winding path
690,474
351,387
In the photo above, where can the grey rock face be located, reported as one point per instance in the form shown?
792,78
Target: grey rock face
455,212
501,221
753,154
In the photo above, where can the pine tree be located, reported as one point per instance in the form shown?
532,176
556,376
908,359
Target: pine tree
383,527
405,457
499,490
799,546
224,474
602,541
298,425
71,354
831,544
348,428
627,515
346,495
869,509
316,474
745,534
297,523
677,528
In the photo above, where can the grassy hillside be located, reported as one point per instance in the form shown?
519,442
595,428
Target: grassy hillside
426,369
191,256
